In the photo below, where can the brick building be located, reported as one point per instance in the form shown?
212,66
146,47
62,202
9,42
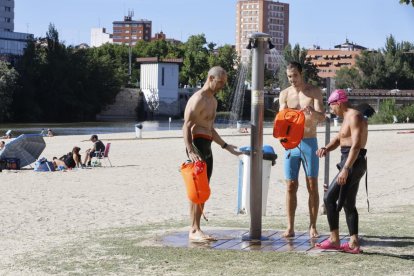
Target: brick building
130,31
330,61
266,16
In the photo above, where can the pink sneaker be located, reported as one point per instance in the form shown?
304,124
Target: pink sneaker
347,249
327,244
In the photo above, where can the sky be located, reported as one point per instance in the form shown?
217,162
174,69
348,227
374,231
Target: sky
312,22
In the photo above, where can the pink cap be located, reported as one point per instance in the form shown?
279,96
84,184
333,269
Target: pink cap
338,96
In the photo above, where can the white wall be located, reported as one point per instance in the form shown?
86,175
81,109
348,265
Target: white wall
100,37
161,78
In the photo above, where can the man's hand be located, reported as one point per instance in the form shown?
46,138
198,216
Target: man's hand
342,177
321,152
194,156
233,150
308,109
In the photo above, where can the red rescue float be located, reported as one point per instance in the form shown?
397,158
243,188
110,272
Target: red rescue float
196,181
289,126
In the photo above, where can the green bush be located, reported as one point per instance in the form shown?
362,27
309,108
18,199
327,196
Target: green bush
388,109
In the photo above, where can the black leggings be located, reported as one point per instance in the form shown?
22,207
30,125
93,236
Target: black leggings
345,196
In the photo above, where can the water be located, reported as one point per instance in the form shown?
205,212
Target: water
88,128
237,104
278,58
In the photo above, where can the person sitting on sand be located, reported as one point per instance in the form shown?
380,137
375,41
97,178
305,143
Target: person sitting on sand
50,133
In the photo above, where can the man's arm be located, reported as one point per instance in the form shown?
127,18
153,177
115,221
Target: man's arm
355,125
333,144
282,100
356,138
317,111
216,138
189,122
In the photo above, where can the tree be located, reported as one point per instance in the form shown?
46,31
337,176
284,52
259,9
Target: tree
407,2
60,84
389,68
195,64
8,79
347,78
226,57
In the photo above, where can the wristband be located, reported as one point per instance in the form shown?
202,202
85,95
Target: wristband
224,145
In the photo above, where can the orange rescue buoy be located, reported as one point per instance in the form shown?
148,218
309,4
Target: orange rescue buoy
196,181
289,126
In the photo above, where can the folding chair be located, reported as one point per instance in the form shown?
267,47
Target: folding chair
103,155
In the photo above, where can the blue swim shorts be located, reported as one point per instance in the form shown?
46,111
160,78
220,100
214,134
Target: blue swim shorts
305,153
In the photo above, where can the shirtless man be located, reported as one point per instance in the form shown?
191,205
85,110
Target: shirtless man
352,138
305,97
199,133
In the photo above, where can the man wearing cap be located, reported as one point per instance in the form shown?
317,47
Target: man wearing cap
97,147
308,98
352,138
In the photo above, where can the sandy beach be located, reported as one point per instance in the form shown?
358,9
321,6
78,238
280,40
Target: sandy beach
40,210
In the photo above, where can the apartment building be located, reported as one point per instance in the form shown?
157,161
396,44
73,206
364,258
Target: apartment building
266,16
11,43
130,31
330,61
7,15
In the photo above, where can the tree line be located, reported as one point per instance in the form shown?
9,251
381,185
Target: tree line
52,82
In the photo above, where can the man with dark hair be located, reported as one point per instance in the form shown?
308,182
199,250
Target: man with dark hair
308,98
97,148
199,133
352,138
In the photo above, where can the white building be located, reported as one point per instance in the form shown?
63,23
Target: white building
159,83
99,36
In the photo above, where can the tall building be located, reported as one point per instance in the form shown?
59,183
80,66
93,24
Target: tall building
11,43
7,15
130,31
266,16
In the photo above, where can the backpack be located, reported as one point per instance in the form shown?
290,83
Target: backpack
42,165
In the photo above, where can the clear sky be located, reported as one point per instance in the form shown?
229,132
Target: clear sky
321,22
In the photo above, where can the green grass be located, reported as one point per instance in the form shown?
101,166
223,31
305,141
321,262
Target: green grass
388,240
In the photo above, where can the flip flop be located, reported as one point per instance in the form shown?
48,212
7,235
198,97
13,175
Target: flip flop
328,245
347,249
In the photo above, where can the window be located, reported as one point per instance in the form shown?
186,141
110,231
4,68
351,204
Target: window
7,19
7,9
162,76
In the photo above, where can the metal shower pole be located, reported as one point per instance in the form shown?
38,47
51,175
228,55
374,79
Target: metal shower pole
257,44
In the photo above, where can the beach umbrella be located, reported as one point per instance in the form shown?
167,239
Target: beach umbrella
26,147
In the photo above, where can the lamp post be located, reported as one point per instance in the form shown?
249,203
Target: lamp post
257,44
